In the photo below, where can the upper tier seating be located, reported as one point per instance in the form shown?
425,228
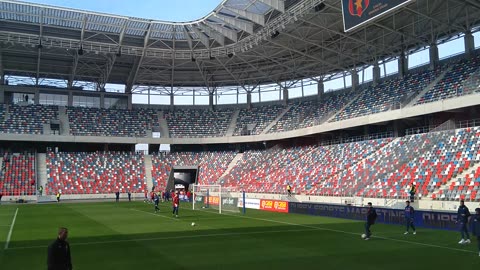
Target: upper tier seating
258,117
310,113
198,123
95,173
211,165
26,119
460,80
111,122
17,176
387,96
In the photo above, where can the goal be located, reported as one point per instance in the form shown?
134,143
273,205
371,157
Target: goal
214,197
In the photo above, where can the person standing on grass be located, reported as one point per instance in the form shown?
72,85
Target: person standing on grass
371,217
129,195
58,196
59,257
117,196
156,200
409,218
462,218
476,227
176,204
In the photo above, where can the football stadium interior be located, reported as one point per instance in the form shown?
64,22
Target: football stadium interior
342,101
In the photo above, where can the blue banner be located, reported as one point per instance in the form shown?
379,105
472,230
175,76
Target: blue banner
358,12
425,219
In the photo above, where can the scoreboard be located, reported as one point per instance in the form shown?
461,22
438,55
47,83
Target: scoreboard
358,12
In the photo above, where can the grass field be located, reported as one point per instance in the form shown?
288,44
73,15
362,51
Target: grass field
130,236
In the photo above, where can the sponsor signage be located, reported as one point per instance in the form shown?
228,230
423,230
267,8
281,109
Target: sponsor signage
249,203
274,206
426,219
359,12
230,201
212,200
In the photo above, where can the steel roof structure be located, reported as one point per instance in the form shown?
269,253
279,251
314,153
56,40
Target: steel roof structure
241,43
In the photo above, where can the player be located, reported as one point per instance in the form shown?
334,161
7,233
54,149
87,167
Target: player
462,218
289,190
58,196
409,218
371,217
476,227
156,200
176,204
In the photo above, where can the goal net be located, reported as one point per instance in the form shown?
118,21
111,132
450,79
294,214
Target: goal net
214,197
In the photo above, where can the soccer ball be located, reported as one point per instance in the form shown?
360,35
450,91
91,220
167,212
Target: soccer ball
364,236
193,223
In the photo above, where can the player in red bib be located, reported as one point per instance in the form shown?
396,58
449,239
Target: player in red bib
176,204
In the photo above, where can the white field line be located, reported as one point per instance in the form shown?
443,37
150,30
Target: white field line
345,232
11,229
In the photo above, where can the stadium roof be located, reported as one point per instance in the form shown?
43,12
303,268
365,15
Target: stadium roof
241,43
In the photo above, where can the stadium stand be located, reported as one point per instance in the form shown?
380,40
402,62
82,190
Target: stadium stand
211,165
387,95
198,123
27,119
111,122
257,117
311,112
94,173
18,174
453,83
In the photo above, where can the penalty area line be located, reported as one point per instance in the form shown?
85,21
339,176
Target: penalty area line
9,236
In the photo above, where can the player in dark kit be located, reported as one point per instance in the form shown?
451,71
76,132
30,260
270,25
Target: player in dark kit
409,218
176,204
371,217
59,252
476,227
462,219
156,200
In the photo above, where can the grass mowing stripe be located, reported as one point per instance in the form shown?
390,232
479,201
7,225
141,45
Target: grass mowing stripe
173,238
345,232
11,229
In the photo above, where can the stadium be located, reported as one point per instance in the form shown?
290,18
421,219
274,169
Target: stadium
274,122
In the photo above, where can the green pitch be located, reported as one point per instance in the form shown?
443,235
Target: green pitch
131,236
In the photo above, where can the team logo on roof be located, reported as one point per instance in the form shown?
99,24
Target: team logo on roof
357,7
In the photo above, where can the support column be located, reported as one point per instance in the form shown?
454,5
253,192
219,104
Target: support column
355,81
285,96
102,101
172,101
402,65
70,98
249,99
376,74
36,97
469,44
434,59
210,100
130,101
320,90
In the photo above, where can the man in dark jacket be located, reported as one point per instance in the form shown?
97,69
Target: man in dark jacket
371,217
59,252
476,227
462,219
409,218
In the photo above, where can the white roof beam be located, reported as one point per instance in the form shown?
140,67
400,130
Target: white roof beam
230,34
213,34
203,38
188,37
254,17
276,4
237,23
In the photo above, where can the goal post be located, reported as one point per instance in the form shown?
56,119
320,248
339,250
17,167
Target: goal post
214,197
